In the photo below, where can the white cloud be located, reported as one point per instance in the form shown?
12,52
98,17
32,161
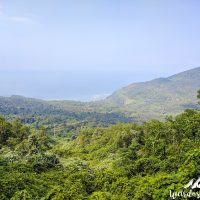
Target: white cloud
14,19
18,19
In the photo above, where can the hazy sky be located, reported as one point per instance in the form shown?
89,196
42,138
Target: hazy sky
141,39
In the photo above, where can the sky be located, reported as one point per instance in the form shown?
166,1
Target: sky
86,49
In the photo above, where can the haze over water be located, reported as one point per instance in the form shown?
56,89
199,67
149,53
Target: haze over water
84,86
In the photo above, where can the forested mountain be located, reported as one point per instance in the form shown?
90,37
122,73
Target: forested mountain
91,159
136,102
159,97
63,118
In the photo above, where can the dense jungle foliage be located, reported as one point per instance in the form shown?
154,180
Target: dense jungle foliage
120,162
56,119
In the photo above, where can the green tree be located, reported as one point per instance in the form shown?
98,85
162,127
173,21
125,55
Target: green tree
5,131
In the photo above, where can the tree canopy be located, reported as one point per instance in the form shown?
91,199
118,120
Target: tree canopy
124,161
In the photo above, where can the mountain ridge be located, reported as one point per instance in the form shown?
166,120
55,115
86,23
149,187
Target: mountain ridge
141,100
158,97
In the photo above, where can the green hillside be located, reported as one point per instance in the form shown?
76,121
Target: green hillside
140,101
159,97
57,117
126,161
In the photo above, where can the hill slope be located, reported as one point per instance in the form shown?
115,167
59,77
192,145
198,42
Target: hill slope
140,101
62,117
158,97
